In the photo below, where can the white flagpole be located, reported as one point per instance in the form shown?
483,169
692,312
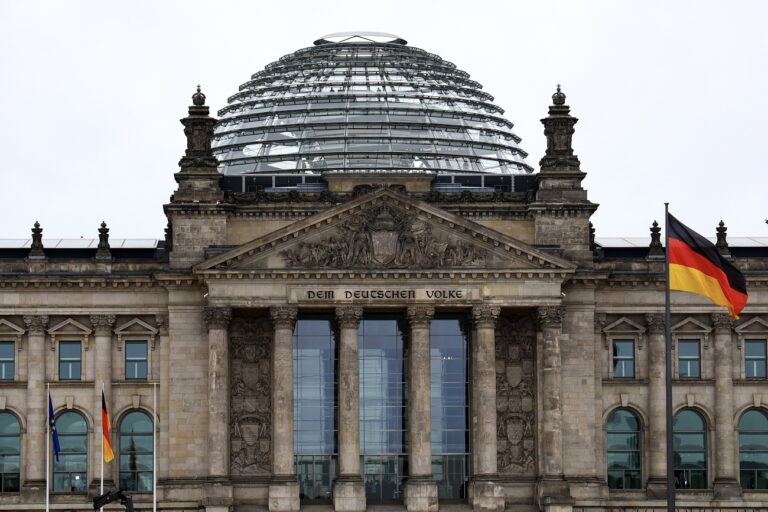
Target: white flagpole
101,486
154,447
47,452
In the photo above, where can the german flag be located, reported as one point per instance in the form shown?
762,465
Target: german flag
695,265
106,426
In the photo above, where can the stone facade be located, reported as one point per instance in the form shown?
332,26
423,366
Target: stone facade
217,308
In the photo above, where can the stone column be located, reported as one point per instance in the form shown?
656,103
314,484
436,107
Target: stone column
657,415
102,379
485,492
163,399
37,409
553,491
284,488
348,489
217,319
726,485
420,488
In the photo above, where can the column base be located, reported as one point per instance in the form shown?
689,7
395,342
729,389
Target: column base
349,494
284,494
656,488
554,494
33,491
485,494
727,489
421,494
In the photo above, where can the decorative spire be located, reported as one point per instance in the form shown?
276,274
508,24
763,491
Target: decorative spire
722,243
199,177
36,249
102,251
558,127
198,127
655,249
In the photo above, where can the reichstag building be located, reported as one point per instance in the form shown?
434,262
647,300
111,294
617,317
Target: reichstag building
369,296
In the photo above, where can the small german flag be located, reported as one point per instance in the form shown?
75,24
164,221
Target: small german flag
695,265
106,426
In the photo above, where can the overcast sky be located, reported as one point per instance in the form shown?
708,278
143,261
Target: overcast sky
671,97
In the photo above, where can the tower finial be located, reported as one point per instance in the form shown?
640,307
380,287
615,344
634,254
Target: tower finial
198,99
558,98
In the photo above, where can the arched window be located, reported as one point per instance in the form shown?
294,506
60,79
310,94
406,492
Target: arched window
69,472
753,449
10,443
690,449
623,440
136,452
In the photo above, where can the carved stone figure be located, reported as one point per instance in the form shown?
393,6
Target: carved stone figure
383,237
250,415
515,395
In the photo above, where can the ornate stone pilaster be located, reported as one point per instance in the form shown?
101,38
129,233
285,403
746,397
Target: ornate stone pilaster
102,380
726,484
552,487
164,396
217,319
348,489
37,407
420,488
657,422
485,492
284,489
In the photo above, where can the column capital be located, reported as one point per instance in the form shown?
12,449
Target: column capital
550,317
722,322
217,317
655,323
420,315
102,324
36,324
349,317
162,324
485,315
284,316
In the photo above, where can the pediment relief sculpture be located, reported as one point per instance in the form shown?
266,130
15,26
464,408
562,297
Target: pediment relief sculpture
384,237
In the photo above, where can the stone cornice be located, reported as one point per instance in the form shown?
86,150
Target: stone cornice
458,275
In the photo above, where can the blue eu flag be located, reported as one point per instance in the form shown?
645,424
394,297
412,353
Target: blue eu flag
52,424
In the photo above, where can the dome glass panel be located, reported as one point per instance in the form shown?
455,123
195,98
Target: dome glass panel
360,102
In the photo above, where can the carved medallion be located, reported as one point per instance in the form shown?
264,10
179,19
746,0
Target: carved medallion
515,395
250,415
383,237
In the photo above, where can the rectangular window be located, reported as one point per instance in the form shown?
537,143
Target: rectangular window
136,360
7,360
754,359
69,360
689,359
624,359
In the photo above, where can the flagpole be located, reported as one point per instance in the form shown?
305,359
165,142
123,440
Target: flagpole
47,453
668,367
154,447
101,486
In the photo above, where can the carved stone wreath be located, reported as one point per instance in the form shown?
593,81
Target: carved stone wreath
383,237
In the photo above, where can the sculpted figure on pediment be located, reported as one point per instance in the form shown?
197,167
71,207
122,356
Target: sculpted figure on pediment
250,414
515,395
383,237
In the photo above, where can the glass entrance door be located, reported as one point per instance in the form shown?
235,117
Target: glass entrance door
382,359
315,474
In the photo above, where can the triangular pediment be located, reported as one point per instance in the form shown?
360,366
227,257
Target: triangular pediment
753,326
690,325
385,230
624,326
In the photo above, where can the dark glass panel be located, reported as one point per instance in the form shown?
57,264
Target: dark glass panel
688,420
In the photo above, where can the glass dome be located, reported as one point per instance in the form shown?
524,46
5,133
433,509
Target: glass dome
362,102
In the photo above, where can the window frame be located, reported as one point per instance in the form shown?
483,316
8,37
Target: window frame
615,358
60,361
639,450
16,435
65,454
4,362
750,432
681,359
705,449
120,452
128,341
764,358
